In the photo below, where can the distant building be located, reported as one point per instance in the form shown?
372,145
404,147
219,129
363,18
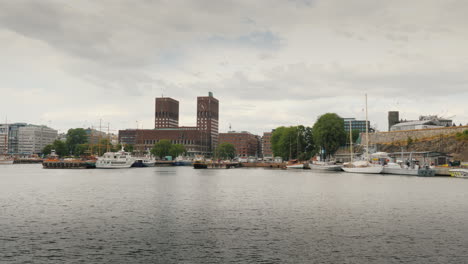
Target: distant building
12,137
393,118
359,125
266,145
195,141
246,144
95,135
424,122
208,118
199,140
32,138
166,113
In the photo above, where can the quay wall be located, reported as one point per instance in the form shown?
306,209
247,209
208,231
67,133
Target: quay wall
396,136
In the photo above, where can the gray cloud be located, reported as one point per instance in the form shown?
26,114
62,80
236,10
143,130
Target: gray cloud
301,55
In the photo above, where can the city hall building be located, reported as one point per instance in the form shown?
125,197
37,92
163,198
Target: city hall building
199,140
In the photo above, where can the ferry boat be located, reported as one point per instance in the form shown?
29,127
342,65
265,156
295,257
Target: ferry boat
115,160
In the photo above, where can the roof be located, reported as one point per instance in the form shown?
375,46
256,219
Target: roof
415,123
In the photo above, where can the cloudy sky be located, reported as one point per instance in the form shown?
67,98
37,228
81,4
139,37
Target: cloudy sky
270,63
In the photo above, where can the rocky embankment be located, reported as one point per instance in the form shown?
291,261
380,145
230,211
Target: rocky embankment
446,144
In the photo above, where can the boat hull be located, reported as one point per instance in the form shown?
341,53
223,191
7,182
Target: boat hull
325,167
459,173
197,165
6,162
365,170
295,166
412,172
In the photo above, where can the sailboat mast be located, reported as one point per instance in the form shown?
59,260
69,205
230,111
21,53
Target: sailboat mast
6,135
367,134
351,140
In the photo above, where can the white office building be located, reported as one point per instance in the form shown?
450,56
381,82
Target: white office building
32,139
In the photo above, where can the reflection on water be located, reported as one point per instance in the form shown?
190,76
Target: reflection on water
182,215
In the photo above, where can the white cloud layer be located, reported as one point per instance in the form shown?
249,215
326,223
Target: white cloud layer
270,63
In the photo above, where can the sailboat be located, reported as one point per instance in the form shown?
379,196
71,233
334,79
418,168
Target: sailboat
294,163
362,166
4,158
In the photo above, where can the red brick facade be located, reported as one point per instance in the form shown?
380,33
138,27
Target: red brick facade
266,144
195,141
166,113
245,143
208,117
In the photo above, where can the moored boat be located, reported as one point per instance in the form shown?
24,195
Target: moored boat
459,173
415,170
199,164
362,167
324,166
115,160
294,164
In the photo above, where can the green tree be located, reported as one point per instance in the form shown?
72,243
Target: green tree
293,142
128,147
225,151
329,133
60,148
76,137
162,148
47,149
354,134
177,149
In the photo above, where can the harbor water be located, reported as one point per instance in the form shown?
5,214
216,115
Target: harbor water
245,215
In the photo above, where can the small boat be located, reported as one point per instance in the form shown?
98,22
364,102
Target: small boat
294,164
415,170
200,164
459,173
6,160
324,166
181,161
115,160
146,161
362,167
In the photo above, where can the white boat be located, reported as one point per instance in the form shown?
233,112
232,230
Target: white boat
115,160
295,164
459,173
363,167
324,166
399,169
6,160
144,162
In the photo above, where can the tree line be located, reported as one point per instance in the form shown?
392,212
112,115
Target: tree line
325,137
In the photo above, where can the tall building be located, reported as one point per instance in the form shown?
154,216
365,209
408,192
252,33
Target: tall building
198,140
266,145
393,118
166,113
359,125
32,138
246,144
194,140
208,118
11,139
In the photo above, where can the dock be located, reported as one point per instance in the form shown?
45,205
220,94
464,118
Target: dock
66,164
